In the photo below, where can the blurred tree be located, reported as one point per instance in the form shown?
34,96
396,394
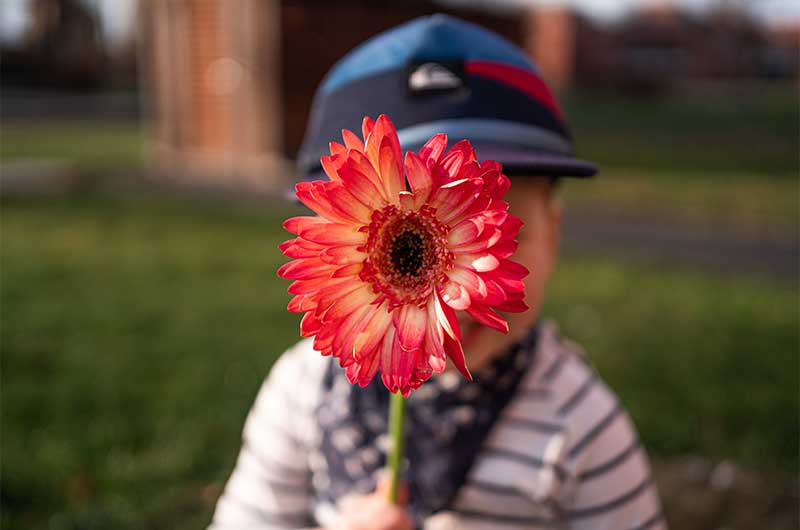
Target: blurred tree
62,48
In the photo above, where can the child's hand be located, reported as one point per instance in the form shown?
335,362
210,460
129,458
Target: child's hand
374,512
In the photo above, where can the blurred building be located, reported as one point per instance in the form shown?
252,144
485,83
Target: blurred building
212,68
231,83
228,84
61,49
550,34
661,45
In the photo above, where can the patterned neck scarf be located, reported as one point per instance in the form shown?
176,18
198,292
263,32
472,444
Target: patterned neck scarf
447,420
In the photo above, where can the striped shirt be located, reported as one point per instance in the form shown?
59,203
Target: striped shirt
563,454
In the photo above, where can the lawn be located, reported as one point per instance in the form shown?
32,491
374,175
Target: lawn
136,331
696,132
94,148
723,154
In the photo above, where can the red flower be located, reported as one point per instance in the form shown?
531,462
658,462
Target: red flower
380,271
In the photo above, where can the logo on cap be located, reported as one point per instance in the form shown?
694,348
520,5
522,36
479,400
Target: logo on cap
434,77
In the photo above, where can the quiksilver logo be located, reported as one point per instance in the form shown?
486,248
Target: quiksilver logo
433,76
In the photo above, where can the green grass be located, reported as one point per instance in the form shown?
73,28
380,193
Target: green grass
697,133
136,332
93,147
749,204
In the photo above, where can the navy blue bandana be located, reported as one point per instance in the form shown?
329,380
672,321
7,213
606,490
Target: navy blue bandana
447,420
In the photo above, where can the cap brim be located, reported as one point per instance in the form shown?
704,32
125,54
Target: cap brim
516,161
521,161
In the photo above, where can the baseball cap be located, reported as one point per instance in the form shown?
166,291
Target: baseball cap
438,74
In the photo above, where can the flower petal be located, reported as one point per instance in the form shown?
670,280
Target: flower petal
410,322
513,306
511,226
465,232
372,335
495,294
390,171
333,234
328,297
358,343
367,124
456,354
300,248
485,240
383,130
344,200
467,209
342,255
418,175
512,269
480,262
473,282
310,325
331,165
397,365
432,151
351,141
348,270
387,358
301,304
454,196
296,224
360,179
447,318
456,295
303,269
487,317
315,196
504,248
336,148
316,284
435,349
344,328
461,153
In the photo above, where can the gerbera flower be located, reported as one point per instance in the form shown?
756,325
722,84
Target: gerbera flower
381,269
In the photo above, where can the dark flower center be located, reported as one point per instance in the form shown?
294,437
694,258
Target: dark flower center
407,255
407,252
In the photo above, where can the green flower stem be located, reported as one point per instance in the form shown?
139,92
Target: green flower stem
397,413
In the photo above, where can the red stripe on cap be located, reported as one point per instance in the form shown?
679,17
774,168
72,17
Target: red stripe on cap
518,78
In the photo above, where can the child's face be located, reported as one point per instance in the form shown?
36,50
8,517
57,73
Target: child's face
533,200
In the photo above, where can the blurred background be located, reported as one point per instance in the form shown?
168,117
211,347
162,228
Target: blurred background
146,149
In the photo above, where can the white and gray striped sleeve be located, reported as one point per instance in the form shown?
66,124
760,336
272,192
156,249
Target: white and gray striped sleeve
610,484
269,488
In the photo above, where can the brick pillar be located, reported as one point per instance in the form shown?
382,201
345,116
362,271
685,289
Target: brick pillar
213,75
550,40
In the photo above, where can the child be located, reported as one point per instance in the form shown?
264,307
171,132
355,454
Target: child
536,440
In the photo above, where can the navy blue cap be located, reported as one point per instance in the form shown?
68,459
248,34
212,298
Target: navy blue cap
438,74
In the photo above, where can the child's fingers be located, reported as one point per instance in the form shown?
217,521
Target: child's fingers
372,512
385,485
